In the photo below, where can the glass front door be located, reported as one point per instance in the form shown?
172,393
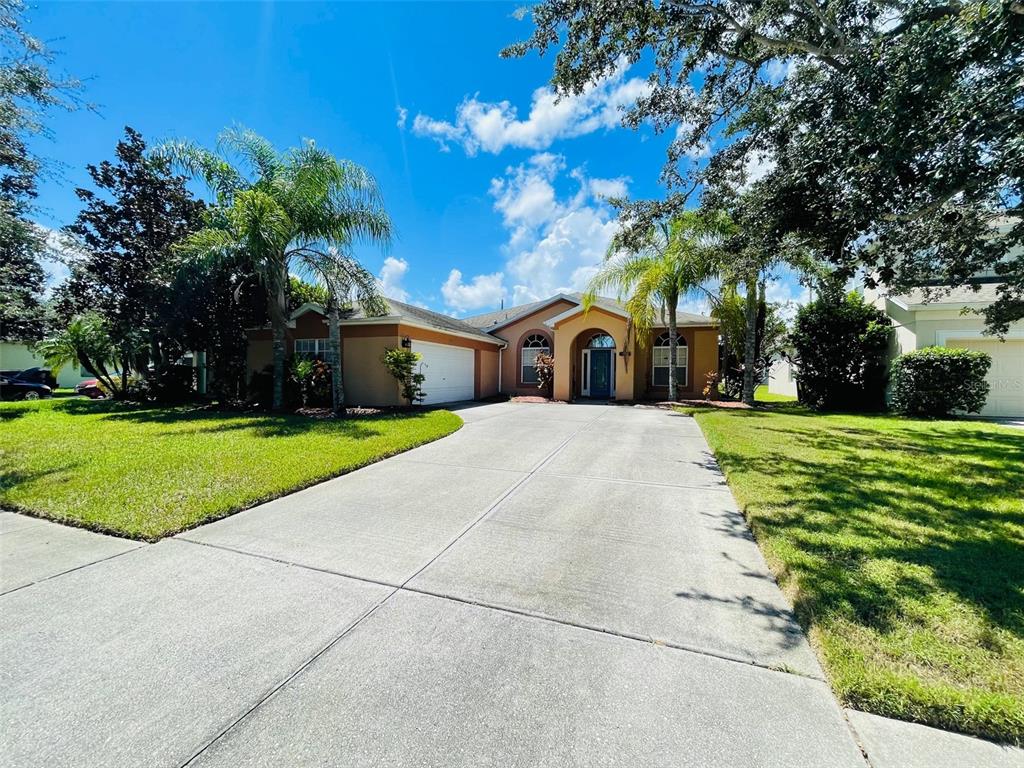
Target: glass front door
600,373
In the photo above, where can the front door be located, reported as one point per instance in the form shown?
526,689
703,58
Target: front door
600,373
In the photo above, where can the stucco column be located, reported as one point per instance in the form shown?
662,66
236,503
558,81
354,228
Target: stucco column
563,365
623,377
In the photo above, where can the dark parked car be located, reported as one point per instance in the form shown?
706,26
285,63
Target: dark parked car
16,389
35,375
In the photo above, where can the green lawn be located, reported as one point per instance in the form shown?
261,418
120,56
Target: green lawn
762,395
147,472
901,545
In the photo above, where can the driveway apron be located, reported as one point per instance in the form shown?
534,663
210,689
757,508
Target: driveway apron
552,585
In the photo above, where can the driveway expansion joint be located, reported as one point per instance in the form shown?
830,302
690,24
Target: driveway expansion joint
394,591
646,640
52,576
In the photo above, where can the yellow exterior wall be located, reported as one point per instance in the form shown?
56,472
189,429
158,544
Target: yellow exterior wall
487,373
259,354
704,358
701,359
568,352
513,334
367,381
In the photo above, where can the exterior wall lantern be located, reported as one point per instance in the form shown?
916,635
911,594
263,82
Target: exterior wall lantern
406,342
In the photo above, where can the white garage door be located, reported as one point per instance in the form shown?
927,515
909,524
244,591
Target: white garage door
1005,377
449,372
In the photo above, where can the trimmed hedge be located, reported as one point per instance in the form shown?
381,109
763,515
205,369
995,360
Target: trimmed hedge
935,381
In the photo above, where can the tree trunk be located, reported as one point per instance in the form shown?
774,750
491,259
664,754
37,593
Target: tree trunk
276,308
673,349
750,342
124,375
334,355
277,402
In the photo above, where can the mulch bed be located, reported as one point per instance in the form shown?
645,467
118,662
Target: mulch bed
706,404
327,413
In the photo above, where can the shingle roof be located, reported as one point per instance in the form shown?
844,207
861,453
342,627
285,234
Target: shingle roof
423,317
944,296
504,316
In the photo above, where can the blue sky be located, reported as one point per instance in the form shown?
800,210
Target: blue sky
495,190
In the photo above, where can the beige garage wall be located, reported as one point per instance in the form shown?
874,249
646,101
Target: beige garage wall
487,373
367,381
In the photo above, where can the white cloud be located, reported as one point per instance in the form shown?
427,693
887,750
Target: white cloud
492,126
556,241
403,115
608,188
391,275
479,293
555,244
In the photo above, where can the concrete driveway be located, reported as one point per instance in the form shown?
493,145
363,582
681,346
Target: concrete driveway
552,585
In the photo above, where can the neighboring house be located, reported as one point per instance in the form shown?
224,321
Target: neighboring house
781,378
17,356
595,351
949,319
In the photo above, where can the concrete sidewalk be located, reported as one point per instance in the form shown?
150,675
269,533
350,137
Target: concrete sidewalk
551,585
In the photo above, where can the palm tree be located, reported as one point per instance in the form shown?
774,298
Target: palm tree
84,342
673,259
278,212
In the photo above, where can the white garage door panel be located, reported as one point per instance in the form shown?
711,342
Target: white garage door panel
449,372
1005,377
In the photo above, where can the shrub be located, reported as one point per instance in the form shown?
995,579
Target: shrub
935,381
170,383
402,364
840,345
544,365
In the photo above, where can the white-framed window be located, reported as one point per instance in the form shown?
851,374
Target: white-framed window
659,361
601,341
535,344
311,349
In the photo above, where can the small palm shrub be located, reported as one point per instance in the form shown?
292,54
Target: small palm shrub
935,381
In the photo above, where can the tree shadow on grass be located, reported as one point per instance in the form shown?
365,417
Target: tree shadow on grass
947,501
205,420
12,478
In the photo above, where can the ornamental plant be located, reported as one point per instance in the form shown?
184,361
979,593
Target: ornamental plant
839,348
402,364
936,381
544,365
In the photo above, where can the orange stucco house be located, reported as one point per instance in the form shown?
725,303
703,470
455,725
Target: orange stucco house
596,352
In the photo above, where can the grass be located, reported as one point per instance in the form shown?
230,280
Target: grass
762,395
901,545
146,472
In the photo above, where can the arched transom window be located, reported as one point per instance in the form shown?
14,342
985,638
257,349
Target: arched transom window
534,344
660,357
601,341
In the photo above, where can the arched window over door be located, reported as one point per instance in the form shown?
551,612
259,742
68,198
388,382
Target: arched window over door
533,345
601,341
659,361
